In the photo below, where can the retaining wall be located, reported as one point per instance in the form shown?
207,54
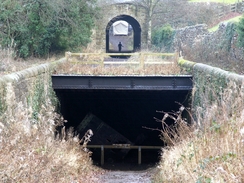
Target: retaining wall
209,84
214,48
26,89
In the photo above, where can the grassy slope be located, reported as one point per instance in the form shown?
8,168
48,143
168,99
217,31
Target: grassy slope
209,154
234,19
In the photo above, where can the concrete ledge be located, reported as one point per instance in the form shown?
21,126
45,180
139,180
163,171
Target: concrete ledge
217,72
211,71
30,72
186,63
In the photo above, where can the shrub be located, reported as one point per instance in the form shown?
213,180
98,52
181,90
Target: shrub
39,27
163,37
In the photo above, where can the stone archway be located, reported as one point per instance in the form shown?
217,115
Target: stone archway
136,28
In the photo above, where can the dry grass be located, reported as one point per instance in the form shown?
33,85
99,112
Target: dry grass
29,152
214,151
8,64
94,65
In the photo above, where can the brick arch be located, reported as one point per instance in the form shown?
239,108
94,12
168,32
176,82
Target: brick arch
136,28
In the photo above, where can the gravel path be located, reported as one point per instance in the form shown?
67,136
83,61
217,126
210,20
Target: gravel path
144,176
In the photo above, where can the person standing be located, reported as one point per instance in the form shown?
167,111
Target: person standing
120,46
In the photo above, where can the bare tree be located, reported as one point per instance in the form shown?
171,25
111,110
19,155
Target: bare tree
150,8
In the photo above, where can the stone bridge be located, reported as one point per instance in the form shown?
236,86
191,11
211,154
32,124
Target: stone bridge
134,15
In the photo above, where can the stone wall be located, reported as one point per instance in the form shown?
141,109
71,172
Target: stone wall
26,89
209,84
112,11
219,48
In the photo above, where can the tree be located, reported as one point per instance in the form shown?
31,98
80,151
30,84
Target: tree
150,8
38,27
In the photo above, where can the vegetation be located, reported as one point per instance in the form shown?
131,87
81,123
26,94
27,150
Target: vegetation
163,37
240,30
93,65
29,152
150,7
211,150
235,19
39,27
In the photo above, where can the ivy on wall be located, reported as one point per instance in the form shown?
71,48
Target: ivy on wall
209,87
3,106
40,95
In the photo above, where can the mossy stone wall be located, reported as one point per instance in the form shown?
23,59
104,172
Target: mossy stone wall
209,83
28,88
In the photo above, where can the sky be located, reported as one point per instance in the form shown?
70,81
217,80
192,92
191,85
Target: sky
121,1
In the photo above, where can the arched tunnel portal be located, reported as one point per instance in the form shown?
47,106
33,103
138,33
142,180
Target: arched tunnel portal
136,29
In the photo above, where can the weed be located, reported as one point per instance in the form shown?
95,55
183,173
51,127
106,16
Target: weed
212,151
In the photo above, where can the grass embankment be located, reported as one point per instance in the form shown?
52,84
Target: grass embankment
29,153
236,18
28,149
211,151
9,65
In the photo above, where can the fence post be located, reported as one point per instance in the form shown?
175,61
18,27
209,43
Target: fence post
142,60
101,59
139,155
102,155
67,55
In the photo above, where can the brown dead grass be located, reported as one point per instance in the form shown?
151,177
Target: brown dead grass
93,65
29,152
214,151
9,65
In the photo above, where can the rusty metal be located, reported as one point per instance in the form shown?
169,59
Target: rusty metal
183,82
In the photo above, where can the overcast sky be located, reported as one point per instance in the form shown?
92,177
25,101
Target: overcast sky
121,1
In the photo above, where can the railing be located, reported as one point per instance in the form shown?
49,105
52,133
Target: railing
139,58
122,146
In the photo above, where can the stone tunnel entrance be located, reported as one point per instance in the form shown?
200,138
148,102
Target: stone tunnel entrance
131,41
125,104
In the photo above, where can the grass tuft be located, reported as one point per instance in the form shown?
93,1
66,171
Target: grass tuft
213,150
30,153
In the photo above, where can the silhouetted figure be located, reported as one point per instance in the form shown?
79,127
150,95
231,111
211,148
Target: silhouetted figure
120,46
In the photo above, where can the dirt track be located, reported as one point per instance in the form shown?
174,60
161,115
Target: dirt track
143,176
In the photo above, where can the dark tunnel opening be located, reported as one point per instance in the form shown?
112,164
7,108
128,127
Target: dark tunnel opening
127,112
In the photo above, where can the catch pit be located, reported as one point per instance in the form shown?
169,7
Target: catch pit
120,110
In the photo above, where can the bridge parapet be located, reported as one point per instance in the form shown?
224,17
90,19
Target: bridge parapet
27,88
209,83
